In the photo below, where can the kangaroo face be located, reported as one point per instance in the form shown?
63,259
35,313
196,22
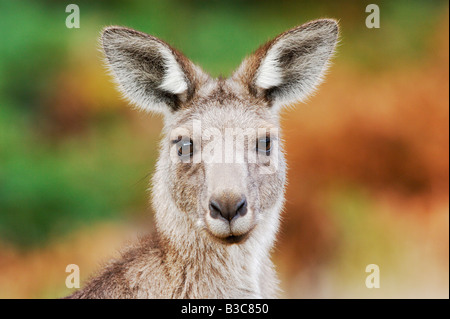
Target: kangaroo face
226,170
221,154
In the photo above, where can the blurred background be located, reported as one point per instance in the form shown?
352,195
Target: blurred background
368,155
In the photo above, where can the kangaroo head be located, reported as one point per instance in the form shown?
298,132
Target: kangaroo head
221,163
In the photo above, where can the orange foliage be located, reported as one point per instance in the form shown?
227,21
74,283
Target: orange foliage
385,133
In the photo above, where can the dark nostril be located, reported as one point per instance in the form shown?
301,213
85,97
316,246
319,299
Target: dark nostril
242,207
228,207
214,209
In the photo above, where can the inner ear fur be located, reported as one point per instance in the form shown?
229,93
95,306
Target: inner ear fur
288,68
149,72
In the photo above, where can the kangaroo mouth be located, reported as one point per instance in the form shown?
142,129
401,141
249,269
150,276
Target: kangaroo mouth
235,239
230,239
236,231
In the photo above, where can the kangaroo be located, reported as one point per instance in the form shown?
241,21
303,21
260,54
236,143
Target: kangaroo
216,220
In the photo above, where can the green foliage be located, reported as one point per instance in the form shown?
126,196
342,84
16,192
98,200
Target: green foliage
48,189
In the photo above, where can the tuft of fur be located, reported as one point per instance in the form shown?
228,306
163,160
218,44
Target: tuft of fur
185,256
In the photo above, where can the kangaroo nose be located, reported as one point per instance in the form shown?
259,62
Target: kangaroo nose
227,207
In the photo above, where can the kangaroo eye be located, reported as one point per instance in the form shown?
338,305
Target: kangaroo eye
185,147
264,145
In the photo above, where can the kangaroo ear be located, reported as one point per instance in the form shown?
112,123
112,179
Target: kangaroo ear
149,73
288,68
